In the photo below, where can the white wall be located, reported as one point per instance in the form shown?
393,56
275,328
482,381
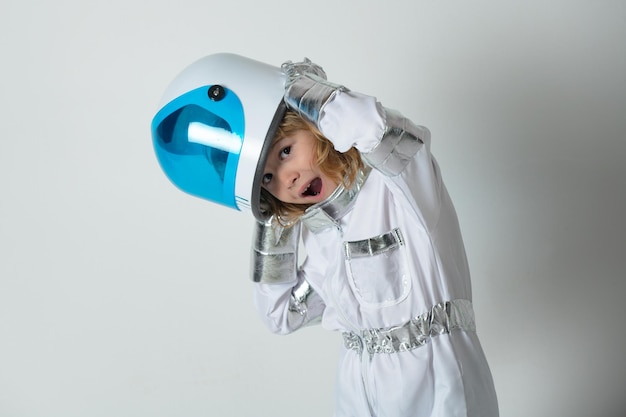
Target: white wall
121,296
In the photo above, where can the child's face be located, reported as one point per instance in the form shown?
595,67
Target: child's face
291,174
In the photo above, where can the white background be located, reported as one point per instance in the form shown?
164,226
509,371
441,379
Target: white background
121,296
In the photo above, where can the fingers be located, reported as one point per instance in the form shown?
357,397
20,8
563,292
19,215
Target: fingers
295,70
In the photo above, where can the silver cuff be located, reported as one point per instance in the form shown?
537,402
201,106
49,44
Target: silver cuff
299,296
274,252
304,306
400,142
308,95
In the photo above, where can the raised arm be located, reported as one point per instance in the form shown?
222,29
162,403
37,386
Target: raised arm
386,139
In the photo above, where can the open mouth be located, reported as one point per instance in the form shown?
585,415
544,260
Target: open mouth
314,188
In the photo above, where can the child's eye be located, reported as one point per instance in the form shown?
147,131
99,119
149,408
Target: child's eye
266,179
286,151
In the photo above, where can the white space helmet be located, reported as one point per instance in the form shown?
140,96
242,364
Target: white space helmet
215,124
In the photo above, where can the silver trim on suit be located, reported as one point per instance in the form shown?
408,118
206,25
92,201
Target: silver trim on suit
274,252
374,245
327,213
397,146
443,318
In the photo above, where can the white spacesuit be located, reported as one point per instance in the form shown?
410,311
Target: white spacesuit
385,266
385,263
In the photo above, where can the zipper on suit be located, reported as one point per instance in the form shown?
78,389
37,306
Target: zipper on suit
364,355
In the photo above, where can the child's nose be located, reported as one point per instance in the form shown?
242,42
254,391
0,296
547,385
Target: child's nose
289,177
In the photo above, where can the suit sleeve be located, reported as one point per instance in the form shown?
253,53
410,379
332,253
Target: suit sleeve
283,297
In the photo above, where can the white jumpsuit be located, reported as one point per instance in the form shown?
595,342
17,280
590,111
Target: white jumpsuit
414,260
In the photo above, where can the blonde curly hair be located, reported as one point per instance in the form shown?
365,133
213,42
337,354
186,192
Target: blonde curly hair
340,167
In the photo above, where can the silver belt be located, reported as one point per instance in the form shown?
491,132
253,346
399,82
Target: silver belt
441,319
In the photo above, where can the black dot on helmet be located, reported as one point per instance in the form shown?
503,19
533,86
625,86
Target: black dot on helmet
216,92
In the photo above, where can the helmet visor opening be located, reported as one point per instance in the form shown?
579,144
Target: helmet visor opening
258,209
199,152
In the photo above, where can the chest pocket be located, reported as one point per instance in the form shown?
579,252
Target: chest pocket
377,269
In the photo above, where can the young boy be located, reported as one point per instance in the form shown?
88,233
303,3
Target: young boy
356,183
385,264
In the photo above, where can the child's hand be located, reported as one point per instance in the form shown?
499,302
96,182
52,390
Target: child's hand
294,70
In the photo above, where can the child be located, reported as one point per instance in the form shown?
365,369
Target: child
355,182
385,265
